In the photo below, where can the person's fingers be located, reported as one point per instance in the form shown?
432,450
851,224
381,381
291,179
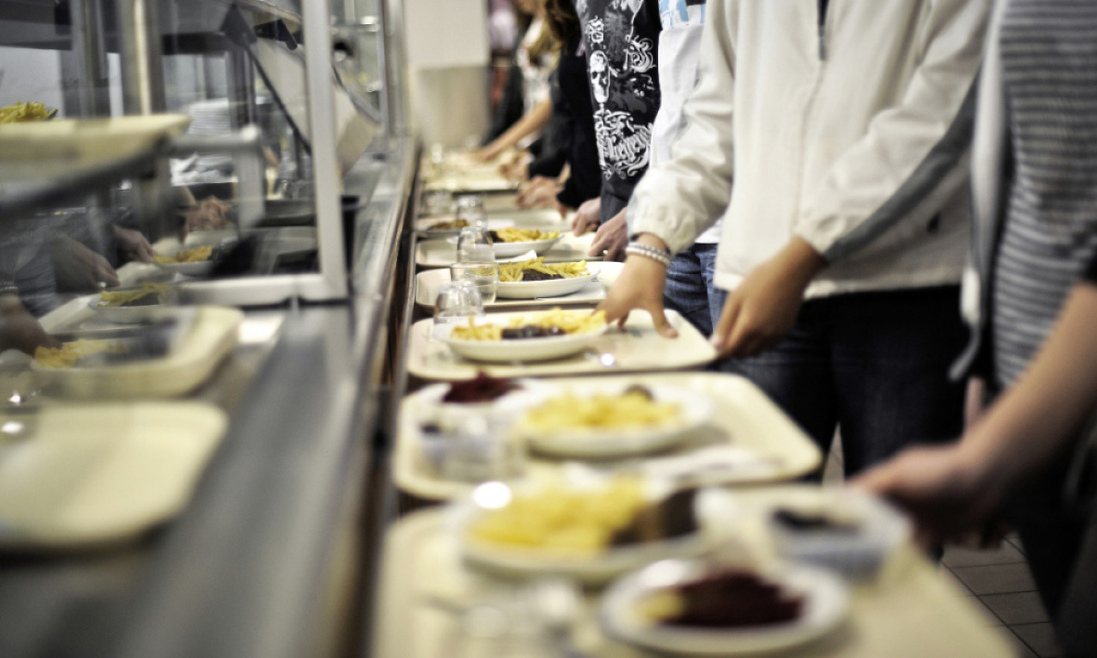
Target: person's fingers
105,273
579,224
582,222
880,480
724,326
743,343
659,319
615,252
46,340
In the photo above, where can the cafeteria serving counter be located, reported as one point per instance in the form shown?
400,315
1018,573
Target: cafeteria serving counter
266,559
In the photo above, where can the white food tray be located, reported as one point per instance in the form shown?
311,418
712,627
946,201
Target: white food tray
744,418
471,182
91,475
210,337
635,348
425,591
428,282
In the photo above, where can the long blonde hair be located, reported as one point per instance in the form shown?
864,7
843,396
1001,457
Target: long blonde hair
546,44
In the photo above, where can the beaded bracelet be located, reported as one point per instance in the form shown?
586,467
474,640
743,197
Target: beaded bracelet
646,251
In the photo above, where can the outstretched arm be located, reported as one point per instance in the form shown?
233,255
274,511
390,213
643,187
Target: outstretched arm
534,120
953,489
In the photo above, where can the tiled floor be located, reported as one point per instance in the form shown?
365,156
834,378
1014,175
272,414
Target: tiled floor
998,582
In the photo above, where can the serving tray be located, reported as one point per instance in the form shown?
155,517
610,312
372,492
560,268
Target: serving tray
428,282
635,348
743,419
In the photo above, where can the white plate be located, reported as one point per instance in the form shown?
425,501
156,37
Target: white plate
598,568
509,249
201,268
425,226
695,410
826,602
512,249
130,314
548,288
856,555
524,349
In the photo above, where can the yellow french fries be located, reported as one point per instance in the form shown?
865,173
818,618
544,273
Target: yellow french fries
571,322
513,271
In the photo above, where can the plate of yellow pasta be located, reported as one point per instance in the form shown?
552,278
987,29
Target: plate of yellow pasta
530,279
511,241
539,336
591,531
600,421
189,261
134,304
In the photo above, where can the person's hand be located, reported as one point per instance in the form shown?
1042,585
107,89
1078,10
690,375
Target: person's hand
517,169
133,244
212,213
640,285
562,209
538,193
611,239
487,153
949,491
19,329
588,217
78,268
764,306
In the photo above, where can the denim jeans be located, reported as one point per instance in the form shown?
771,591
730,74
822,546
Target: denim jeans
690,289
874,364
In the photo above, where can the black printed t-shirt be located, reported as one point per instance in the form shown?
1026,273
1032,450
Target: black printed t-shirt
622,39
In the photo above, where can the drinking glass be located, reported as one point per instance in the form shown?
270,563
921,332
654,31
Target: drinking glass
481,451
438,202
457,301
483,274
438,159
471,209
474,245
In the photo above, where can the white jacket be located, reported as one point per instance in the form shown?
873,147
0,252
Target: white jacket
854,136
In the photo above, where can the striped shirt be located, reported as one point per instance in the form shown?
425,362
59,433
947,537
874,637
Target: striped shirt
1049,237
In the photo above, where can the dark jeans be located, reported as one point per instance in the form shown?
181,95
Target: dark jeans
690,289
874,364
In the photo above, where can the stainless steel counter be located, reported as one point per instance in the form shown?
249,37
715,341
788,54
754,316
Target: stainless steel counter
265,560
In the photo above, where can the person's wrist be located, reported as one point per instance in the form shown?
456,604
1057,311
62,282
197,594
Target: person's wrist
981,470
647,252
652,240
801,259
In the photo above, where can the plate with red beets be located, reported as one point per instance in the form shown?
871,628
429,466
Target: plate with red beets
696,607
